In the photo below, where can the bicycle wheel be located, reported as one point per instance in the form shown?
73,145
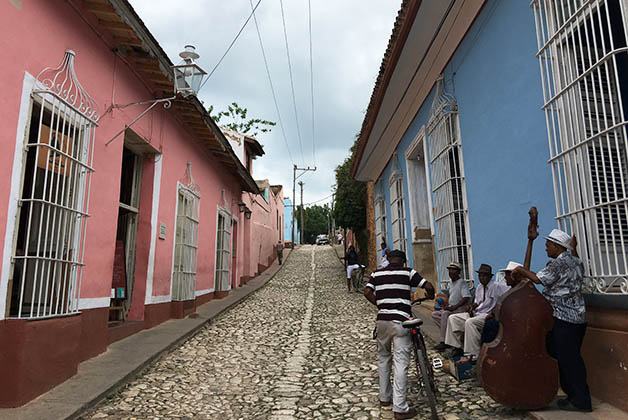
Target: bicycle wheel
429,365
421,359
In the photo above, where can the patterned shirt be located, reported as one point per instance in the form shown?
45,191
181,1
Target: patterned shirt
562,281
392,291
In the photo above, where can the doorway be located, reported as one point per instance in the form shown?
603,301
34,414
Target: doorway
126,235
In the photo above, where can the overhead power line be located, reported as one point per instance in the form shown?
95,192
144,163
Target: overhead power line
309,10
270,81
318,201
294,101
231,45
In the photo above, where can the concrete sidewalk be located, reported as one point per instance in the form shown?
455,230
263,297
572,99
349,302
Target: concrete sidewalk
601,410
125,359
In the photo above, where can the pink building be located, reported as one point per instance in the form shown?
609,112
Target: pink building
266,211
107,234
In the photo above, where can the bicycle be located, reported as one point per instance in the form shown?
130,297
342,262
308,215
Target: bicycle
357,278
424,368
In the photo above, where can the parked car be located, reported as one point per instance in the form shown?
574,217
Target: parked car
322,240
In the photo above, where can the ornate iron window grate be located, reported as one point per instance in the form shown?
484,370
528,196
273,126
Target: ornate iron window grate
451,218
48,256
223,241
583,57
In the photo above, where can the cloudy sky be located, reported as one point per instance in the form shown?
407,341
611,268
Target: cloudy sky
349,38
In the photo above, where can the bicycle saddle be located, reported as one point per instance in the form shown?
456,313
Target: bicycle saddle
412,323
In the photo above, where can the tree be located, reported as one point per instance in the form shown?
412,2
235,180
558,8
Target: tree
350,206
237,117
315,220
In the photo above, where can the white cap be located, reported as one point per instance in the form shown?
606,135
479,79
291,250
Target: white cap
559,237
511,266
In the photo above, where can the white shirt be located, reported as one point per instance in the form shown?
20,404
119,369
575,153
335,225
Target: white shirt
486,298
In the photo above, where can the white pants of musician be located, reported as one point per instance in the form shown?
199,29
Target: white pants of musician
392,334
461,326
350,269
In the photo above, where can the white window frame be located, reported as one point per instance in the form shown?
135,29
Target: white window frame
587,132
185,252
397,212
51,263
222,276
450,211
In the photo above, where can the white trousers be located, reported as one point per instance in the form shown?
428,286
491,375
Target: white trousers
392,334
462,326
350,269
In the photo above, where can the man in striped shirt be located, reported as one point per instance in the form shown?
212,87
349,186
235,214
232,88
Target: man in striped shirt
390,289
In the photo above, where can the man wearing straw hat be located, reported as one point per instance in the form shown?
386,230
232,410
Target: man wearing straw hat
562,281
459,297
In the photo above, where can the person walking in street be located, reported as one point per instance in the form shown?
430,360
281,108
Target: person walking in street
467,326
562,287
390,290
459,297
279,248
352,263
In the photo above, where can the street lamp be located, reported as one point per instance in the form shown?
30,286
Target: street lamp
188,79
188,75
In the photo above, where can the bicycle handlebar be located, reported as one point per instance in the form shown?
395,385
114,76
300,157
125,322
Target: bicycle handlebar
419,300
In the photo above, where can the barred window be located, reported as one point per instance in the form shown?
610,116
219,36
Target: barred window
223,241
398,218
186,245
451,218
584,65
48,250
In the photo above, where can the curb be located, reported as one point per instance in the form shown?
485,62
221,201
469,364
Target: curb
169,349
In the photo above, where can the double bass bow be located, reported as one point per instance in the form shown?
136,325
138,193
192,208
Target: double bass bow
515,369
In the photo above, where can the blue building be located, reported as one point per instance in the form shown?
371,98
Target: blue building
469,97
288,209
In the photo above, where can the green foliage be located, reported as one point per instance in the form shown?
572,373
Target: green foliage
350,207
316,221
237,120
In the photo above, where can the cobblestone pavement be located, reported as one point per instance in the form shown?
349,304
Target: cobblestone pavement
300,348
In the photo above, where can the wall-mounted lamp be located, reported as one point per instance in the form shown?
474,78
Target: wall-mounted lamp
241,206
188,78
247,213
188,75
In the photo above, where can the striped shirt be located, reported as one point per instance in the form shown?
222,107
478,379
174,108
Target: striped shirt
392,286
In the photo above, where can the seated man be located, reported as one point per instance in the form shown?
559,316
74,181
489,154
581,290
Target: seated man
459,297
491,325
468,325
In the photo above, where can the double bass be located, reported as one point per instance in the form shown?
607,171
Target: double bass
515,369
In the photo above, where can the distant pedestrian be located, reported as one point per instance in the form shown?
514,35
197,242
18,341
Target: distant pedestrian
279,248
339,238
390,290
562,287
385,252
352,263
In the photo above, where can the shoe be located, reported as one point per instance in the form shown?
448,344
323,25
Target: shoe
441,346
385,403
456,352
349,291
566,405
407,415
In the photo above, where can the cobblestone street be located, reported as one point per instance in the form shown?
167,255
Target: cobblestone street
300,347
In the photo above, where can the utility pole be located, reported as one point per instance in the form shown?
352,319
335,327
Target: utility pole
294,196
302,227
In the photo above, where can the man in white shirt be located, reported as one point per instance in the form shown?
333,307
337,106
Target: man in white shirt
468,325
459,299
